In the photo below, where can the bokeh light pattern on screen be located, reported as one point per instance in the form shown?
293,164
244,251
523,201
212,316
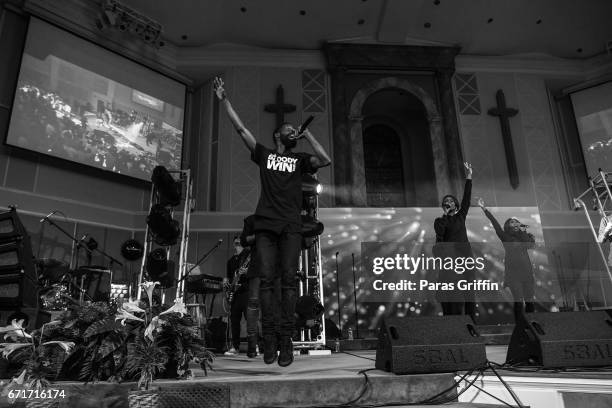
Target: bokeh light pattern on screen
563,273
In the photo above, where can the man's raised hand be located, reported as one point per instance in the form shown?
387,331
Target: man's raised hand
218,88
468,170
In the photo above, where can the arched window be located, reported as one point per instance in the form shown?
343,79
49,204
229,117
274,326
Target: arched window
383,167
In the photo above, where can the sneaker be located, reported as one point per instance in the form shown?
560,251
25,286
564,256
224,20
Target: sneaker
286,351
231,352
252,351
269,349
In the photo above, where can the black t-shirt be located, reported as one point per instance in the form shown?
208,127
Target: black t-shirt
281,183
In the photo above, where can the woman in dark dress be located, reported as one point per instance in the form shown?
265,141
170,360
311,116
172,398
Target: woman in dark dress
518,276
452,241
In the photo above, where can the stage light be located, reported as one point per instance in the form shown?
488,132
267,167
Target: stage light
132,250
164,229
125,19
311,227
310,185
167,187
160,268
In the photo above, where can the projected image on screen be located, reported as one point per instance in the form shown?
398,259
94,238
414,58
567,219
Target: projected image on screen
593,110
82,103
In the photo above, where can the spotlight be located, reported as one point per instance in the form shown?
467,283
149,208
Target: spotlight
168,188
125,19
160,268
311,227
132,250
310,185
164,229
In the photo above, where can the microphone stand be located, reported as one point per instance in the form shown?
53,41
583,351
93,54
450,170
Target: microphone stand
72,238
338,292
78,247
201,260
355,300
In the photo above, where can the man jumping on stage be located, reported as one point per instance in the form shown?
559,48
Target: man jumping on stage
278,222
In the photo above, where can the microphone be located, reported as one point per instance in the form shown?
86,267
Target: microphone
337,253
47,216
304,125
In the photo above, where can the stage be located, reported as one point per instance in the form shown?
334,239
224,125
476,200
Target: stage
334,380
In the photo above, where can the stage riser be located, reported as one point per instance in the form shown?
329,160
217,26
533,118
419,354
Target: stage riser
247,392
546,391
313,391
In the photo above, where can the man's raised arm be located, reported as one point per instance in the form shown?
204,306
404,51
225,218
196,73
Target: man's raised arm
245,134
320,158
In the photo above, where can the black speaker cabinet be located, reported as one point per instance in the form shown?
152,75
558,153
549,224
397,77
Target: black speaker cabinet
567,339
18,283
429,345
11,228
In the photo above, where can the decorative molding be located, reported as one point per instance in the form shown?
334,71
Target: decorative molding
524,64
234,55
466,92
390,57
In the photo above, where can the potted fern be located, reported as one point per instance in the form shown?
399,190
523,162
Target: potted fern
40,361
145,360
132,341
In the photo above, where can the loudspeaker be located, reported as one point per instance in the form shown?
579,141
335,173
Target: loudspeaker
11,228
567,339
415,345
18,283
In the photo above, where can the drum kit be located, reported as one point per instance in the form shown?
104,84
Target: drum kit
61,286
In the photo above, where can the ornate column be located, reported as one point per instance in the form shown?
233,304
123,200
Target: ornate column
340,140
358,179
438,148
448,112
